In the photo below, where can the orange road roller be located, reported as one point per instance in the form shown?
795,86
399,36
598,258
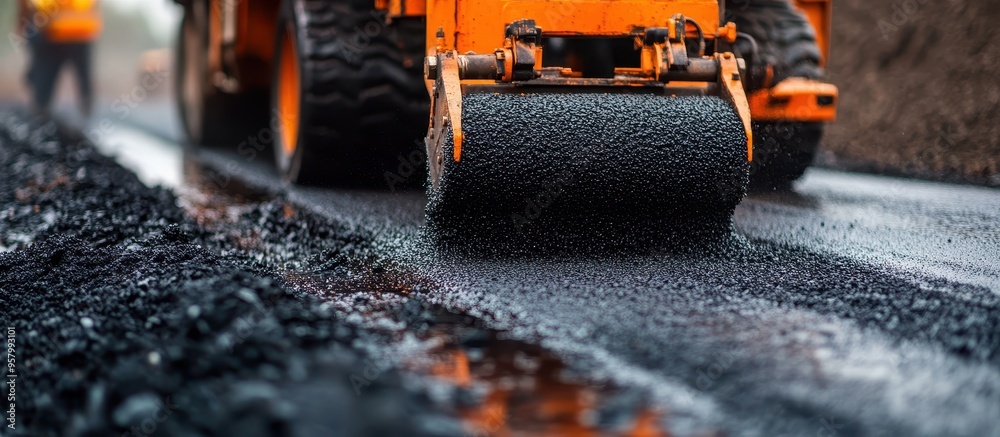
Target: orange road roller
541,112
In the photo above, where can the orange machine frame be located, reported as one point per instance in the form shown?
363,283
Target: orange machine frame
482,36
819,13
478,26
801,100
475,26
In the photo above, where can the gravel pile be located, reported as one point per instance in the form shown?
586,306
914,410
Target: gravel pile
129,323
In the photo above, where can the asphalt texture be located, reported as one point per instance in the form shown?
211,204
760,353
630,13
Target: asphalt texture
576,173
853,305
760,339
132,319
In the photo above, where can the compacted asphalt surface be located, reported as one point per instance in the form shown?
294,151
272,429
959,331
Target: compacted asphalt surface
855,304
851,305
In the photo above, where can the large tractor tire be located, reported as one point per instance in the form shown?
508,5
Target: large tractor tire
782,153
349,95
785,41
785,47
210,117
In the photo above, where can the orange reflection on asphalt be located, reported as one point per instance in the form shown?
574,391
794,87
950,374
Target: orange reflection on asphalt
527,393
210,196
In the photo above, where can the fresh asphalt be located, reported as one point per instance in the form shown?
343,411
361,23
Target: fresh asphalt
852,305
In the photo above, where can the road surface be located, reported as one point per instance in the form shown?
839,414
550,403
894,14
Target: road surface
853,305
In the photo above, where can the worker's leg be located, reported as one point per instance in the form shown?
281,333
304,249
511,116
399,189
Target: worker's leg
47,60
80,56
29,78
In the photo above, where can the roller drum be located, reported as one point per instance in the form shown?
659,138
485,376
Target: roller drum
561,170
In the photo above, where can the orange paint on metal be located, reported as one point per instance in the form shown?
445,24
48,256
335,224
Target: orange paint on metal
819,13
402,8
452,94
441,14
795,99
255,34
453,366
731,88
414,7
479,25
727,33
289,93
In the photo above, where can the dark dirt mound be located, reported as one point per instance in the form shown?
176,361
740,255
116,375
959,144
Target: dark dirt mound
125,326
919,91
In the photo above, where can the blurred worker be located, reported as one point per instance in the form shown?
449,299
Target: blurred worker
59,32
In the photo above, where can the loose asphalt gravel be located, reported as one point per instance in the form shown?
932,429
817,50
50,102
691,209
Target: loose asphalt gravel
855,305
131,319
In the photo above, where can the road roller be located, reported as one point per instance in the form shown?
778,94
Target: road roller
578,115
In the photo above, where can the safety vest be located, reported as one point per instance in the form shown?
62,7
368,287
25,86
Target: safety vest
70,20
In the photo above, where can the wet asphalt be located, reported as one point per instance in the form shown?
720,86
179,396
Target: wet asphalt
857,305
853,305
129,314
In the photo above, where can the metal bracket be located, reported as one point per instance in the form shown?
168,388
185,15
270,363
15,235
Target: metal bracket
731,88
523,40
514,62
446,102
667,48
677,53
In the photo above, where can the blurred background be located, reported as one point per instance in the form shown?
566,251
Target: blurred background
918,87
138,38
